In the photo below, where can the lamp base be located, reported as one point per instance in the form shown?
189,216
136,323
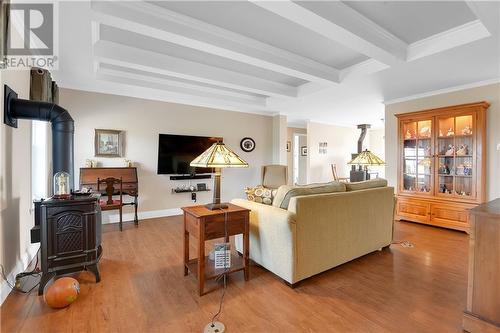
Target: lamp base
215,206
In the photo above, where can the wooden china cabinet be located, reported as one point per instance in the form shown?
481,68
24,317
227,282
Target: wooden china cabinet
442,164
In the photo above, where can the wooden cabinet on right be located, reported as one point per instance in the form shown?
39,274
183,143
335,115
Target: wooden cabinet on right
482,314
442,164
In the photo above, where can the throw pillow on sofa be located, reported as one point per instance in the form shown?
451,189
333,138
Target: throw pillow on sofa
364,185
286,192
260,194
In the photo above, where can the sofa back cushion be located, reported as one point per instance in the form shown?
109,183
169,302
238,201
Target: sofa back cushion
286,192
372,183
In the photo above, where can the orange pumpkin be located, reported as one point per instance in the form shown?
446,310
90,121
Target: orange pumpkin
62,292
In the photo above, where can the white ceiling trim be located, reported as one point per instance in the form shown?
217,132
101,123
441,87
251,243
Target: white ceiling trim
126,56
214,40
464,34
442,91
370,39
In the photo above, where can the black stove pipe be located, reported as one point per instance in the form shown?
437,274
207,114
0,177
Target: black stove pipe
62,128
364,128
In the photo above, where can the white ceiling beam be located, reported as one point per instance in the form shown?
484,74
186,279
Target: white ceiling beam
148,61
366,67
195,34
463,34
104,70
183,86
484,12
344,26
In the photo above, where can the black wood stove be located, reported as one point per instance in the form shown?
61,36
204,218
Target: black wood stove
69,232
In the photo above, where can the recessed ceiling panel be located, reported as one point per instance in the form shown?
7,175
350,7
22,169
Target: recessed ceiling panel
252,21
412,21
159,46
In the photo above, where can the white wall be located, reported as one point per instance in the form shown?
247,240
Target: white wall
15,186
342,142
376,144
142,121
279,131
290,138
489,93
302,179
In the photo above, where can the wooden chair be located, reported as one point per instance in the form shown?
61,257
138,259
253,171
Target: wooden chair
110,203
336,176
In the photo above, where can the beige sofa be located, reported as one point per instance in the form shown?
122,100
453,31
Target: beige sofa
319,231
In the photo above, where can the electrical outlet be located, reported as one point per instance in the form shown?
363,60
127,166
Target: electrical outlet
193,196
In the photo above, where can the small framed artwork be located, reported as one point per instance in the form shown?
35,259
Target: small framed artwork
323,148
288,146
108,143
303,151
247,144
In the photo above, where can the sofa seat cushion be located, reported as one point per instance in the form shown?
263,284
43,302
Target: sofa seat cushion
286,192
372,183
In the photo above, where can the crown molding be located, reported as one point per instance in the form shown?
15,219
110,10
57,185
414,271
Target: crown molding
443,91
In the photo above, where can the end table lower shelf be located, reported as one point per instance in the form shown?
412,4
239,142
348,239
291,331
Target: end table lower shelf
205,224
237,264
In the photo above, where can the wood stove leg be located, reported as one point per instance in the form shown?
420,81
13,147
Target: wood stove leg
46,277
136,220
121,221
95,269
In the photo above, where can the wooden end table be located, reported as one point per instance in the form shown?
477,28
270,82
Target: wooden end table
204,224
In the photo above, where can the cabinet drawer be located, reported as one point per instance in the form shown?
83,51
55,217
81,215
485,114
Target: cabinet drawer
414,210
449,214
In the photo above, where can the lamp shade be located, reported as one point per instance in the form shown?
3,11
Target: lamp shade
367,158
218,156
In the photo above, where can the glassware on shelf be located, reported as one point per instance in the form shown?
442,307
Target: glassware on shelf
446,127
464,125
424,129
410,131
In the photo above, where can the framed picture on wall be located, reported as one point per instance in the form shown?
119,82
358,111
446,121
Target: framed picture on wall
108,143
303,151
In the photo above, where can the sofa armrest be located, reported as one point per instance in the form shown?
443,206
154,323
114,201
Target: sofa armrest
272,237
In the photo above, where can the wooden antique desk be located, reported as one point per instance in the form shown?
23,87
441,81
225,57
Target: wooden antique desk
204,224
130,183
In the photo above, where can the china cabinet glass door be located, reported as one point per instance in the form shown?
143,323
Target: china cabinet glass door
455,156
417,156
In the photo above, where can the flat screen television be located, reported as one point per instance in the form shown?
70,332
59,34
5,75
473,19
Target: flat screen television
175,152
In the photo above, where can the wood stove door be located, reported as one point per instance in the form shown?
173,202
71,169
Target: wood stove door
68,234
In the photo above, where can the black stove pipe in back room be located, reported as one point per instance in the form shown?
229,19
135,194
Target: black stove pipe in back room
62,127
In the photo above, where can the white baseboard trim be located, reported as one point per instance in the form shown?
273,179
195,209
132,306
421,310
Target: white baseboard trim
115,218
21,265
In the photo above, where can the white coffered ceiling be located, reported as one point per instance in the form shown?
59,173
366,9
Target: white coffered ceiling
329,61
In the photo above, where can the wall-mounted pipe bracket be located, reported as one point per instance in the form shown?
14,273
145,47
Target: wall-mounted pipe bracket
8,115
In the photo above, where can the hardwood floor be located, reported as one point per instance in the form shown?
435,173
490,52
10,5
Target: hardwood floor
420,289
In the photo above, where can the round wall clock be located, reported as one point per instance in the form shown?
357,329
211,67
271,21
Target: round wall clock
247,144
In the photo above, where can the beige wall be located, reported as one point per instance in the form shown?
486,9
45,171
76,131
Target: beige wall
15,185
342,142
489,93
142,121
